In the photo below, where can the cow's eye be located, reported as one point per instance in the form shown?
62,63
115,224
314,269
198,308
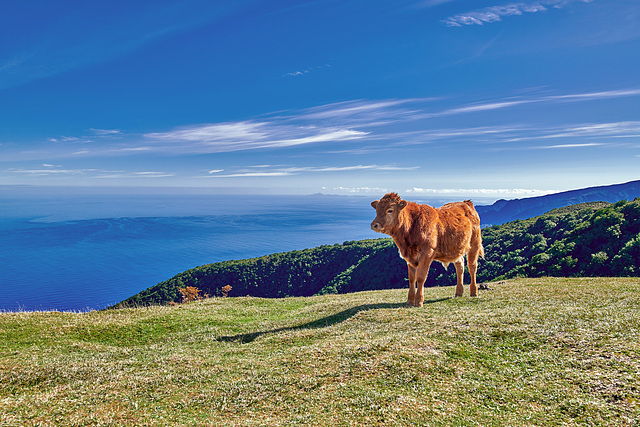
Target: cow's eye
390,211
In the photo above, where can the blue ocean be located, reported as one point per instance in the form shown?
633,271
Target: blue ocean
87,249
79,251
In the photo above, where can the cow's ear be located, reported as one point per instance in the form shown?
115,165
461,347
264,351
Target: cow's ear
402,204
374,204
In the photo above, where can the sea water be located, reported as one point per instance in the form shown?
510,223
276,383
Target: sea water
70,251
83,250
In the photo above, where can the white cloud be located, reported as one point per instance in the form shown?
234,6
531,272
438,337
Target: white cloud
252,174
115,150
588,144
361,126
247,135
630,129
129,175
329,136
297,73
211,133
104,132
615,129
496,13
485,107
371,110
65,139
590,96
44,172
259,171
446,193
304,71
366,190
484,192
54,170
431,3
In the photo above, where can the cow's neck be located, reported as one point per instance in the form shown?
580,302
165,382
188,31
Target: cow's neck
401,232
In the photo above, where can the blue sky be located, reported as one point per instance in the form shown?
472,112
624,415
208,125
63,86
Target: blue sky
467,98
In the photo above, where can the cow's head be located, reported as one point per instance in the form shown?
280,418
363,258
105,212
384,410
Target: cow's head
387,210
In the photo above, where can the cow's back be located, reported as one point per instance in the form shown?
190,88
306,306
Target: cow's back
459,224
456,213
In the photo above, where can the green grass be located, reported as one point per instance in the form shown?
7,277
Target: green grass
547,351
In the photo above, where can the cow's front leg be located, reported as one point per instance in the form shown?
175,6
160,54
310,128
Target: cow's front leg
421,276
412,282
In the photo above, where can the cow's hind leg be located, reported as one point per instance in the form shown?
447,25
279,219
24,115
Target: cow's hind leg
472,262
459,264
412,282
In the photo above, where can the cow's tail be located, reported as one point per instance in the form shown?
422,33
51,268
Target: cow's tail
478,235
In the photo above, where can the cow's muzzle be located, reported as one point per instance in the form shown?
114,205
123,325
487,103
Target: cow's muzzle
375,226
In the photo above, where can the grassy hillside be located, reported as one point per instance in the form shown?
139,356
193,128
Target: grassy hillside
529,352
589,239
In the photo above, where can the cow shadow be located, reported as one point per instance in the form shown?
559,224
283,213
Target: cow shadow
320,323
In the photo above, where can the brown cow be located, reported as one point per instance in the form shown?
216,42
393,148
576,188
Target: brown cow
424,234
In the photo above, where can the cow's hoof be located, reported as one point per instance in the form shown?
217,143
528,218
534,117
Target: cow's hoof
418,304
409,304
458,295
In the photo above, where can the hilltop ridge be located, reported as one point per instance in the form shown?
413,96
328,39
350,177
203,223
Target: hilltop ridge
588,239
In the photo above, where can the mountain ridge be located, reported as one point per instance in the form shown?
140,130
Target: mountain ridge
503,211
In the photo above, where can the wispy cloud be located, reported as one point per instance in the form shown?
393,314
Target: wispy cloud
355,127
626,129
588,144
485,107
431,3
303,71
352,108
135,175
591,96
480,191
238,136
445,193
297,73
367,112
516,102
44,172
274,171
357,190
496,13
103,132
616,129
58,171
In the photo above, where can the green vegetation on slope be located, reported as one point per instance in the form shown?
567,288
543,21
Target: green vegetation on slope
544,351
298,273
590,239
567,242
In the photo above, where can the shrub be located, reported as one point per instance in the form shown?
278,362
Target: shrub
190,293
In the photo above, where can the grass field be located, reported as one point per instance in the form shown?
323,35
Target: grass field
535,352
